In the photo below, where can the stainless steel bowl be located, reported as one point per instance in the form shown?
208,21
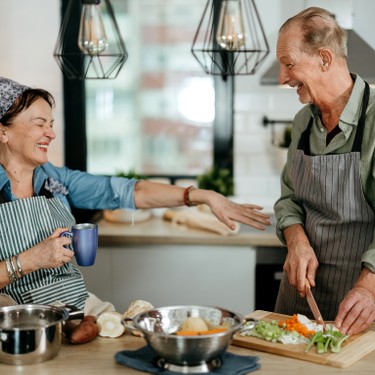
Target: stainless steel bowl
160,324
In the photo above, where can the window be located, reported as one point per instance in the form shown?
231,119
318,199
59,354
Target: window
156,117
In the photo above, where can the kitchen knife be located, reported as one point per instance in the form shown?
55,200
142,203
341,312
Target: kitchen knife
313,306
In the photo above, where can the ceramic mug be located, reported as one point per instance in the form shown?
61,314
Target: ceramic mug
84,242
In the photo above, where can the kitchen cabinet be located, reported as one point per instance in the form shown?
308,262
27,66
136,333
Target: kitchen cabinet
268,273
174,274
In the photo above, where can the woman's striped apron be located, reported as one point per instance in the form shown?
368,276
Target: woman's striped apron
339,222
23,224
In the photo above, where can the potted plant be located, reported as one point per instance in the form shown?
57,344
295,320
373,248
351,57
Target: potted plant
281,149
217,179
287,137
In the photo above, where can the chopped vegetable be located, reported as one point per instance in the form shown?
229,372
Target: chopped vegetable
293,324
197,333
299,329
271,331
331,338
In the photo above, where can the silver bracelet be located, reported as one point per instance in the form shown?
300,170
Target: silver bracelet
19,266
11,274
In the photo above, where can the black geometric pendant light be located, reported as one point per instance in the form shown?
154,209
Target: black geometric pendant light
230,39
89,45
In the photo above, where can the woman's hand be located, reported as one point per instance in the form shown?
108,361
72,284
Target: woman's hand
229,212
49,253
301,261
151,195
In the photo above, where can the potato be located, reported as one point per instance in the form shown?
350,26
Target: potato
194,324
85,331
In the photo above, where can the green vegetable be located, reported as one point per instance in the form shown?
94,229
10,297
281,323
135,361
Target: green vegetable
329,339
267,331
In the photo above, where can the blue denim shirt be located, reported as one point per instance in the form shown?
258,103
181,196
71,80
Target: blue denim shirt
79,189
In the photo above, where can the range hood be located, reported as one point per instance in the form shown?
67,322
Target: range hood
361,60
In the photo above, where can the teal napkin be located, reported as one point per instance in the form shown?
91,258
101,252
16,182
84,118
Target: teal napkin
145,359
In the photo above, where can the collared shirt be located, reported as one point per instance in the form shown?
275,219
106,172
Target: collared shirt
79,189
287,209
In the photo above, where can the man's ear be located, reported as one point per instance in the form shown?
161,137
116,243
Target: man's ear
326,56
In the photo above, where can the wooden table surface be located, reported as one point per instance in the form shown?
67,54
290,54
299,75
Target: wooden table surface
97,357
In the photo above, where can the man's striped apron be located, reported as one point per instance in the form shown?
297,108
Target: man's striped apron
339,222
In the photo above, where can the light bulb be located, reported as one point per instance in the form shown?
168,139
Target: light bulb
92,38
230,31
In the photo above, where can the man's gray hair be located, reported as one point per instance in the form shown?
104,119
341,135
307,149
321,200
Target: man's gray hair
320,30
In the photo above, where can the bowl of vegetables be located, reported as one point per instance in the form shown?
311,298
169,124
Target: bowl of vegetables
188,335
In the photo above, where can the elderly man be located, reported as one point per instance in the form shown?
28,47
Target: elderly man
325,214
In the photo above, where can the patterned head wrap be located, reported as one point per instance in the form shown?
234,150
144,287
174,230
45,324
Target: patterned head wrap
9,92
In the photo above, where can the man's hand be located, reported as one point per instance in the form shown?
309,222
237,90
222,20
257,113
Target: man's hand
301,262
357,310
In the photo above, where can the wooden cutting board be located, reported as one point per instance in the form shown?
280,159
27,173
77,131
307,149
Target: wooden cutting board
355,348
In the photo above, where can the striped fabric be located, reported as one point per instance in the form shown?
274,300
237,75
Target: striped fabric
340,224
25,223
339,221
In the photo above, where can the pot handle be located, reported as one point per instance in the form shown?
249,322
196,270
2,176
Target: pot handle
131,327
125,321
250,323
74,312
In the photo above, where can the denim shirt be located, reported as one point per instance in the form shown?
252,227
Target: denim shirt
78,189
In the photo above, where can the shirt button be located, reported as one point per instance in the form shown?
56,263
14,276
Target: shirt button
321,130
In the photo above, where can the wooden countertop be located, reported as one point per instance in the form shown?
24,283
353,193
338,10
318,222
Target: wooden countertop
97,357
159,231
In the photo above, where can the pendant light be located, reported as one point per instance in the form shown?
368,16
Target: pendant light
89,45
230,39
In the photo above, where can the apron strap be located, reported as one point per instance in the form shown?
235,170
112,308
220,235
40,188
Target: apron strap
42,192
304,142
357,145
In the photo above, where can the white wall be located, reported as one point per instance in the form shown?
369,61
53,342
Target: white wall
257,167
29,32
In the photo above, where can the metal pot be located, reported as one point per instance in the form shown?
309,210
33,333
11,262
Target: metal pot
159,326
31,333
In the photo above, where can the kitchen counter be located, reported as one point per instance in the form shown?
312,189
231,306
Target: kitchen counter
130,256
96,357
158,231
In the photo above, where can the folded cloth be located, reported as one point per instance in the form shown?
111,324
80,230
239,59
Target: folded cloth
145,359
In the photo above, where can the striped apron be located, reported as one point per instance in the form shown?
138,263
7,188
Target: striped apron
23,224
339,222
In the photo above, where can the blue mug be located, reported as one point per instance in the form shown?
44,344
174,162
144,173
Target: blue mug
84,242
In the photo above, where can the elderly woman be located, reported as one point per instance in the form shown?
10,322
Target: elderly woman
36,197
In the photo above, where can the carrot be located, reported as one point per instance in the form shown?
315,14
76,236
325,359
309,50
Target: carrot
292,324
199,333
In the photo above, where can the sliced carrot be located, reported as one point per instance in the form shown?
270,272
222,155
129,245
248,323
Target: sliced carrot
292,324
198,333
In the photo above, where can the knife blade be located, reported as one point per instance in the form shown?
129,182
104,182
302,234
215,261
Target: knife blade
314,306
